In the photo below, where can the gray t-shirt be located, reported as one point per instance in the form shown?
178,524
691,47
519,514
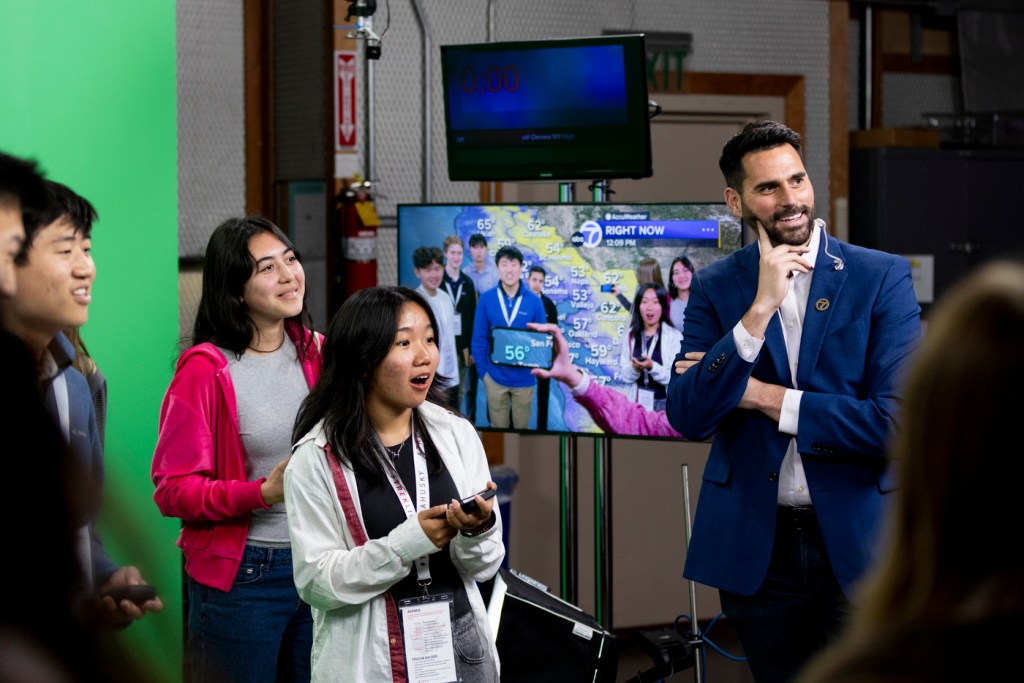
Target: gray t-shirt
268,390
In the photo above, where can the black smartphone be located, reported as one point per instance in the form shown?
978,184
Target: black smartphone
607,288
469,504
522,348
138,594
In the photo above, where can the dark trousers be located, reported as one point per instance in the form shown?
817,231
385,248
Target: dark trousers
471,380
543,391
798,609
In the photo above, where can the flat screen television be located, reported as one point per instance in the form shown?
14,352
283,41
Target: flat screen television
565,109
590,254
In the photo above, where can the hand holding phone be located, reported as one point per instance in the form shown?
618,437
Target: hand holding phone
469,504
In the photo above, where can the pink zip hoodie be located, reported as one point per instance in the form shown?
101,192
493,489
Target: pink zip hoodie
199,462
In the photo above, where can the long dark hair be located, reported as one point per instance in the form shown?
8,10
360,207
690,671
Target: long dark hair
222,318
361,336
636,324
673,291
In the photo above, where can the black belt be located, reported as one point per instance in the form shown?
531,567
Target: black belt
800,514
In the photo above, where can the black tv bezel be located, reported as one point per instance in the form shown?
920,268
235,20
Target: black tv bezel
564,163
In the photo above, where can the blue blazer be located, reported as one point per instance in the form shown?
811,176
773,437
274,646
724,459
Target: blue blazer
861,326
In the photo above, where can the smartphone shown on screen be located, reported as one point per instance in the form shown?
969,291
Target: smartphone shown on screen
522,348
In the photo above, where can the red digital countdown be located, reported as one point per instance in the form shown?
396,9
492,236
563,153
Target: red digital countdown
493,79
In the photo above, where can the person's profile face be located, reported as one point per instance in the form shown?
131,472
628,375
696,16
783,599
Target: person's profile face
430,276
453,255
54,286
681,276
12,234
275,290
401,381
536,282
650,308
509,270
777,195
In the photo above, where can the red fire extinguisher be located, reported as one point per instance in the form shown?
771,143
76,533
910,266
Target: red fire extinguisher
358,224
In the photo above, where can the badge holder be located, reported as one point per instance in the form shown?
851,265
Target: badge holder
427,637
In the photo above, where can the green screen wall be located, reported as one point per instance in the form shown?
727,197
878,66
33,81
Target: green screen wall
87,89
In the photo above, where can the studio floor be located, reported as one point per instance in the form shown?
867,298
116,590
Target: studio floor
717,667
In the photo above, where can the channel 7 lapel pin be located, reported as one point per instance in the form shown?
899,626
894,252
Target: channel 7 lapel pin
821,304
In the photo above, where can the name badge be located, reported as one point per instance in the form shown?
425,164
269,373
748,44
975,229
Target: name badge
645,397
457,325
427,637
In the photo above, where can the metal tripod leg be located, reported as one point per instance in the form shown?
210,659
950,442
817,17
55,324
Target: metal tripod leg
698,637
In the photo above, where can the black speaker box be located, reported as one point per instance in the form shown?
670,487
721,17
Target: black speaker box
542,638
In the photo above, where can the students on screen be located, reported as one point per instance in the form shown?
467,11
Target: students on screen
427,265
680,275
647,270
536,282
609,408
508,305
649,347
480,270
461,290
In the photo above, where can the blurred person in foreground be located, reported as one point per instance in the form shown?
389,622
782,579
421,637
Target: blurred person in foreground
945,601
55,274
42,633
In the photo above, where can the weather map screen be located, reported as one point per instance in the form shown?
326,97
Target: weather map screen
590,254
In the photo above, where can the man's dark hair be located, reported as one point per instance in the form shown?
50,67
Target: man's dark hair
536,269
477,240
21,183
509,252
424,256
61,202
755,137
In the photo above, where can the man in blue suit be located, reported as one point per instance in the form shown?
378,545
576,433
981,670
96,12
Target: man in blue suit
791,358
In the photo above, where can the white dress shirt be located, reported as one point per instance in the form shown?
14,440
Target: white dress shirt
793,489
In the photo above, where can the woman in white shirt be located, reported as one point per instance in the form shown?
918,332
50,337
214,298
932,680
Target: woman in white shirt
649,348
383,551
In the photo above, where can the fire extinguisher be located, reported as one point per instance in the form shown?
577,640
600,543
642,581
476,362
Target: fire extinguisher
358,224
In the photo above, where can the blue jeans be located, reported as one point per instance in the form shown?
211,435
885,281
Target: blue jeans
798,609
257,632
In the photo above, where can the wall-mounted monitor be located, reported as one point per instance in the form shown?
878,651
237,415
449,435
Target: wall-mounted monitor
564,109
590,254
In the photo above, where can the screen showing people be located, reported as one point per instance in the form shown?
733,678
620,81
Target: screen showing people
613,277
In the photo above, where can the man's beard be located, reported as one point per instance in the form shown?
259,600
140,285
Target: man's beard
793,238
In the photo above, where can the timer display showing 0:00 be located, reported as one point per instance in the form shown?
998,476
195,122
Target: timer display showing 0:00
494,79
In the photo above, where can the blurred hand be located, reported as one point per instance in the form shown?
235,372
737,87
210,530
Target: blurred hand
105,611
641,364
